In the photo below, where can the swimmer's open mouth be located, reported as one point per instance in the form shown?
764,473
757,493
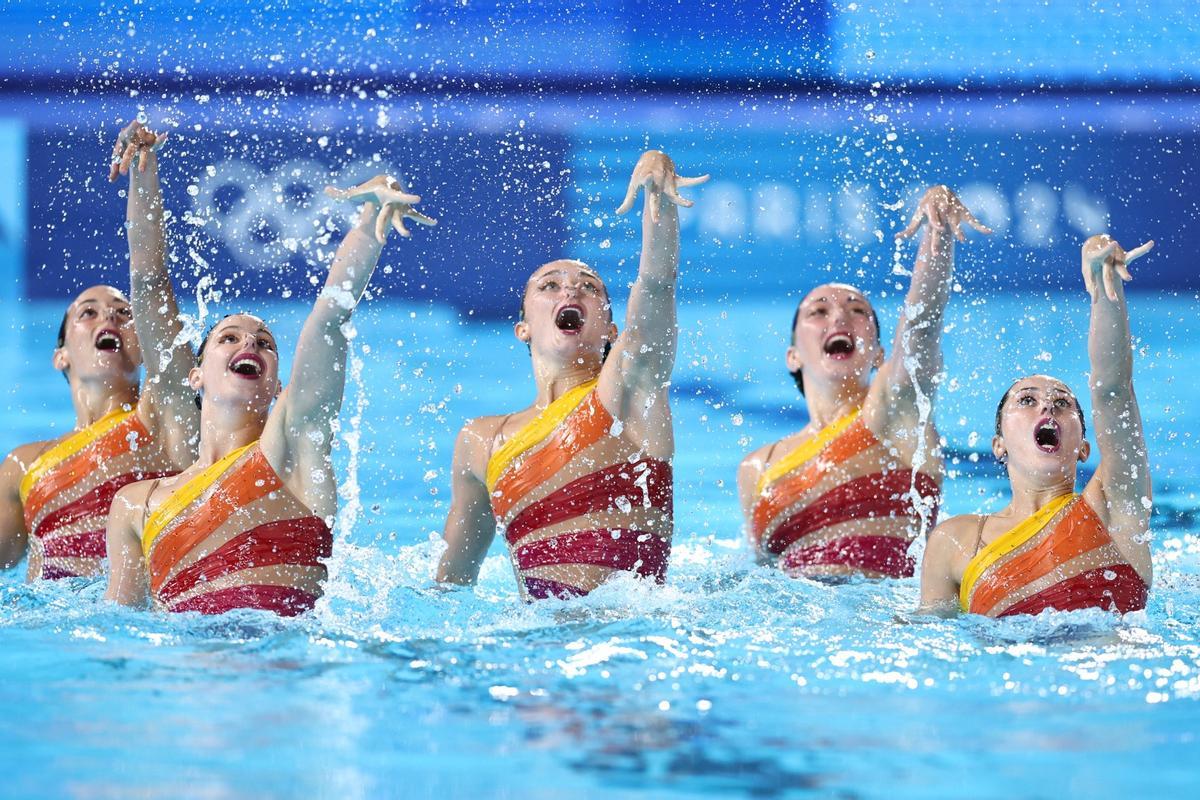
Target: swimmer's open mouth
569,319
108,339
247,365
839,346
1047,436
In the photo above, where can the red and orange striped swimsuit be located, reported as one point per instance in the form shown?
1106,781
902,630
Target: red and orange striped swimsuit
1062,558
234,537
839,501
577,502
67,491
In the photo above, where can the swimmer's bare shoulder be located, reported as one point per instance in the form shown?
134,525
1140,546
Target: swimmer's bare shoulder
13,535
950,547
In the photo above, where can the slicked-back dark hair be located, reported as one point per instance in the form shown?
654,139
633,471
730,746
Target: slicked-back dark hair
798,375
1004,399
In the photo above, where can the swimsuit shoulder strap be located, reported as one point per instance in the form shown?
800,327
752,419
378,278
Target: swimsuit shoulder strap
146,506
979,535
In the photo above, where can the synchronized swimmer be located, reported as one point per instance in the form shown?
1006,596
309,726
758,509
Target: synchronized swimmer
211,487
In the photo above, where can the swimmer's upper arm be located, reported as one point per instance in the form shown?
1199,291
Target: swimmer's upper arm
939,567
128,581
13,535
470,527
748,474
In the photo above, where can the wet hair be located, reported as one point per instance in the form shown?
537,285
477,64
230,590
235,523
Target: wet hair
1004,399
798,375
607,345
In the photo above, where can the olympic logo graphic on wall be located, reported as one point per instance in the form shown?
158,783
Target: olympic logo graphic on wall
263,216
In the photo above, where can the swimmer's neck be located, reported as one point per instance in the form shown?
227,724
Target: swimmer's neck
94,400
1029,497
553,380
224,430
827,403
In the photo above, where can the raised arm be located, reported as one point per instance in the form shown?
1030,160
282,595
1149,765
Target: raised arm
908,375
639,367
470,527
1123,477
166,399
297,438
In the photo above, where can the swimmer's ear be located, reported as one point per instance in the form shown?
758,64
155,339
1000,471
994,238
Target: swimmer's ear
613,333
59,359
794,362
1085,449
521,331
999,450
195,379
879,358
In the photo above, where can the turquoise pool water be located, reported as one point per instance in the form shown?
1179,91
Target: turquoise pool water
731,680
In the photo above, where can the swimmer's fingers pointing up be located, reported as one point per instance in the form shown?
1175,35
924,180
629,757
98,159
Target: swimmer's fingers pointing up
1138,252
913,226
630,196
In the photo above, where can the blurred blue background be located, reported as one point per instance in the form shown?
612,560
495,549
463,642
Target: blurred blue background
520,122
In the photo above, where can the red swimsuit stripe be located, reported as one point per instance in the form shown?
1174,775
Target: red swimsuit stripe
597,491
298,542
83,465
244,483
1117,588
582,428
286,601
878,496
1078,532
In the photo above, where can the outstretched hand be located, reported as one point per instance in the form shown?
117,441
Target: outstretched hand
942,209
395,205
655,172
1104,257
134,141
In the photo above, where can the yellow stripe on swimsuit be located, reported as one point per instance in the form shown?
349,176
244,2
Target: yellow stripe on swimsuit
805,451
184,496
1023,532
535,431
69,447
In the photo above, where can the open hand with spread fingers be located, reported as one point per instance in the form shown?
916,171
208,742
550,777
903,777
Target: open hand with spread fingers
942,209
1103,258
655,172
134,141
394,204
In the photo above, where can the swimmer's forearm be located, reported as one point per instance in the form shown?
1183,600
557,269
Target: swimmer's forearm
1110,349
928,294
351,271
659,262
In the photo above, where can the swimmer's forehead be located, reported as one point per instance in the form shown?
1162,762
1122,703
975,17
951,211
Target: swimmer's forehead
99,294
831,292
242,322
565,267
1039,383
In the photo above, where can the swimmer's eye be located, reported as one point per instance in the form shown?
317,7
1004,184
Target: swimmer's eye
549,285
1061,403
1026,400
125,311
818,310
266,343
226,337
87,312
591,287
